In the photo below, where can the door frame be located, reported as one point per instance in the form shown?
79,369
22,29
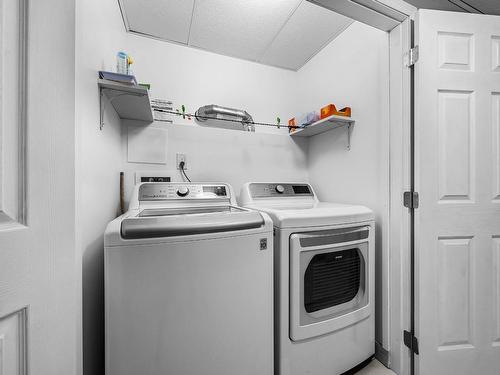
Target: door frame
394,17
401,177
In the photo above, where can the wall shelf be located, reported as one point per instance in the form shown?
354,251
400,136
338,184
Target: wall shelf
326,124
131,102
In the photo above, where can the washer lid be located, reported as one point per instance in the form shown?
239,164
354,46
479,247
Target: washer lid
315,214
189,221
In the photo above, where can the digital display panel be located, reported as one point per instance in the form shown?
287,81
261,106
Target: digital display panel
301,189
217,190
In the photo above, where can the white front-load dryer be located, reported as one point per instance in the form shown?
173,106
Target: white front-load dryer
323,279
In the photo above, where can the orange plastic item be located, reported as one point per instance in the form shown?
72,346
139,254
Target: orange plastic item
330,109
292,125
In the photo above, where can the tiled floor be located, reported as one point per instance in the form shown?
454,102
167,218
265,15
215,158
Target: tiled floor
375,368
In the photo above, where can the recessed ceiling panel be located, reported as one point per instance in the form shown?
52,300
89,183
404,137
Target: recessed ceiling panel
309,29
239,28
283,33
163,19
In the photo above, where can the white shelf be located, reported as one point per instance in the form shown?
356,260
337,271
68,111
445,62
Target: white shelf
130,102
326,124
321,126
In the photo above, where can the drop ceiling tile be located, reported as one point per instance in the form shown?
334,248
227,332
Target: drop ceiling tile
308,30
164,19
239,28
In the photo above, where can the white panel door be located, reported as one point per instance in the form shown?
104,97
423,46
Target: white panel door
457,169
39,270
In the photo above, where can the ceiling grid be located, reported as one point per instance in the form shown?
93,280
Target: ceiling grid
281,33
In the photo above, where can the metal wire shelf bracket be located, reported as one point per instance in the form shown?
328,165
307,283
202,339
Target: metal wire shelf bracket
349,130
101,108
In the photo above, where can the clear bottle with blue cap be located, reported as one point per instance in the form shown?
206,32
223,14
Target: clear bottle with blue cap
122,63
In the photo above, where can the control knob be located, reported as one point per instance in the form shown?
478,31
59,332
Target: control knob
182,191
279,189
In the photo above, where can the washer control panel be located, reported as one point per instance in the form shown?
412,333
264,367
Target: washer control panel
263,190
172,191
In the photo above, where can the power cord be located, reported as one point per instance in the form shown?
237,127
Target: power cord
183,172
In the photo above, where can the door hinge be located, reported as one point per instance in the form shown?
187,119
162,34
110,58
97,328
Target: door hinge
410,199
411,57
410,341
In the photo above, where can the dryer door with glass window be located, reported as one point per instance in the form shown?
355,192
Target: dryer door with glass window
328,280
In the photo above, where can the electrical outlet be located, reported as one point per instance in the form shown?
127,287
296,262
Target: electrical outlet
181,158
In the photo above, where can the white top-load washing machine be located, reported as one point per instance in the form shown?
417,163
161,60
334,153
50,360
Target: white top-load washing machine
324,279
188,284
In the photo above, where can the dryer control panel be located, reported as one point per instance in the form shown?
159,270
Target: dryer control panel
263,190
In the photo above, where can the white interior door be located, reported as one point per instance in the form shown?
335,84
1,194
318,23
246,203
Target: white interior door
39,269
457,160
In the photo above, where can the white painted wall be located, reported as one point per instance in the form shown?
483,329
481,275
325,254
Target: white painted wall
187,76
99,31
219,155
353,71
195,78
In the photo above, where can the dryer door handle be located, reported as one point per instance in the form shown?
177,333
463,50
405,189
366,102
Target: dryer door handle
333,237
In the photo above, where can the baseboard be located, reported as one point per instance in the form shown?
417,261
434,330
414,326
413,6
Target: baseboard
382,355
